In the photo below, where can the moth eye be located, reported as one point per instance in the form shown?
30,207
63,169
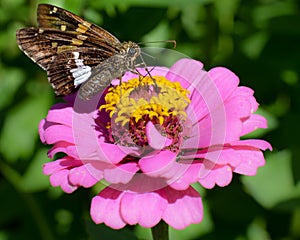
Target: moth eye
132,51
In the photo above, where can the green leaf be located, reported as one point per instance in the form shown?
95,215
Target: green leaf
257,230
34,180
154,3
253,45
20,129
274,182
11,79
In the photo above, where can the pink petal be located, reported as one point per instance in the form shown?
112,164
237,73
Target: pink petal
252,143
120,174
64,163
141,183
225,80
239,107
63,147
155,139
42,130
248,93
185,71
61,116
233,130
61,179
214,128
227,156
89,147
244,91
220,175
205,96
145,209
80,176
56,133
57,178
251,160
67,187
254,122
159,164
176,171
190,176
184,207
105,208
204,133
113,154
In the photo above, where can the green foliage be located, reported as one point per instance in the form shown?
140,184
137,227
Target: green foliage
262,186
258,40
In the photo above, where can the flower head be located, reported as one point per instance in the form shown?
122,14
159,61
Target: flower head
152,137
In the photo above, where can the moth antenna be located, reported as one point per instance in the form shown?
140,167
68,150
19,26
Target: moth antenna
163,41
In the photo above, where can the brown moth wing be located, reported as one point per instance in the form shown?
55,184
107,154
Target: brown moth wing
57,18
63,41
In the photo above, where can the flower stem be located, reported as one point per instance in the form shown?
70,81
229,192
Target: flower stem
160,231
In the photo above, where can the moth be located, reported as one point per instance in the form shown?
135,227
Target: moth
75,52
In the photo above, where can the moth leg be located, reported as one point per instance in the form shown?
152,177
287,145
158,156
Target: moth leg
148,72
120,84
142,64
153,79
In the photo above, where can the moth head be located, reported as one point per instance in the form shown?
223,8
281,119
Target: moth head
132,49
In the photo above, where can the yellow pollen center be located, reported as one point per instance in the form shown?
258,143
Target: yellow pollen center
146,98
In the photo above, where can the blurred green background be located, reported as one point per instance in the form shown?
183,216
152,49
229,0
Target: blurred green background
259,40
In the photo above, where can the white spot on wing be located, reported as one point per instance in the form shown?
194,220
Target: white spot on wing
54,10
76,55
82,72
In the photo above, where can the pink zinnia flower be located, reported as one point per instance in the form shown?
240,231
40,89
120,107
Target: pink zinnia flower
151,138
